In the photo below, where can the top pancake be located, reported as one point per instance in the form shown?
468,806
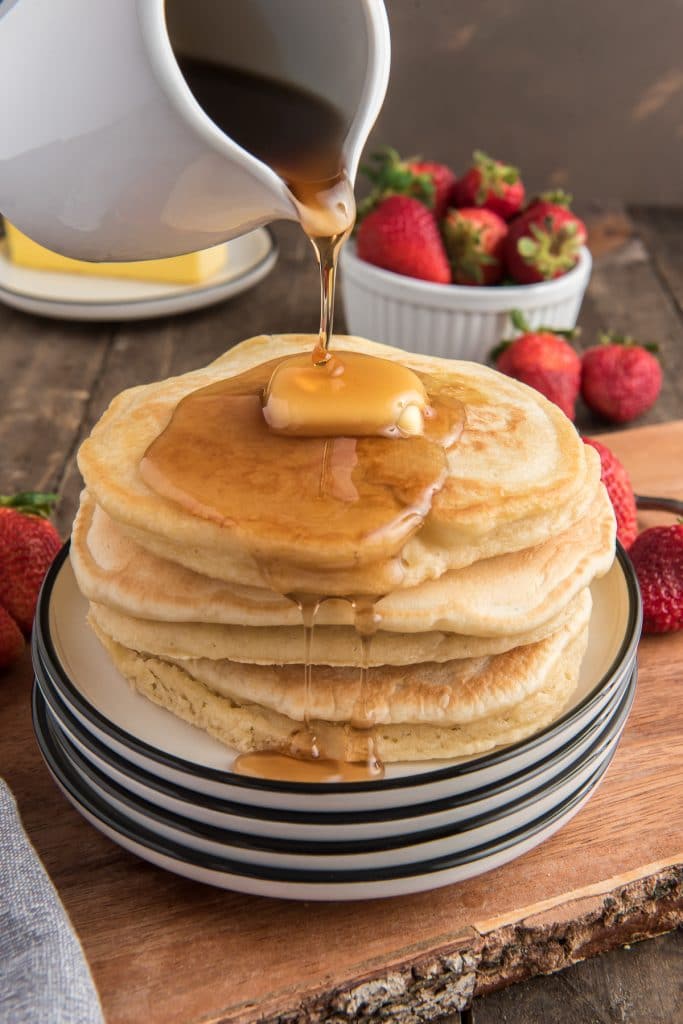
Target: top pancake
518,475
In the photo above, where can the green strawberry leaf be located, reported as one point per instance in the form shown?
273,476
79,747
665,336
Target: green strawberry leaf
35,503
519,321
498,350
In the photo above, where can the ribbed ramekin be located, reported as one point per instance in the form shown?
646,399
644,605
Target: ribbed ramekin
455,321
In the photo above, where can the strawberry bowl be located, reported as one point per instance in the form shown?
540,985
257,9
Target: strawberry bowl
455,321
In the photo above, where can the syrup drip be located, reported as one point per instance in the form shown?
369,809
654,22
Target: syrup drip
348,501
304,762
367,621
308,606
327,252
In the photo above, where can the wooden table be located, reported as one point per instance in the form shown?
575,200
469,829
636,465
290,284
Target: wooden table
133,918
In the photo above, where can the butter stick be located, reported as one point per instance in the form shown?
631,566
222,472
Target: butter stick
191,268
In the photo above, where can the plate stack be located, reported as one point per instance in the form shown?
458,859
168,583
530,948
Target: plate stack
164,789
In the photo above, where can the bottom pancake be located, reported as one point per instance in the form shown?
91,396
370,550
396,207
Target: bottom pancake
248,726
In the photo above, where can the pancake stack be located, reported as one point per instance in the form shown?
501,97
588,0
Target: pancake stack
484,610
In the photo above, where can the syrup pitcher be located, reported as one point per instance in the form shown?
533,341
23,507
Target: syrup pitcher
113,150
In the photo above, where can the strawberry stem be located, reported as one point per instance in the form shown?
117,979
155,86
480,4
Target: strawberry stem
627,340
493,175
392,176
557,196
30,503
498,350
521,324
519,321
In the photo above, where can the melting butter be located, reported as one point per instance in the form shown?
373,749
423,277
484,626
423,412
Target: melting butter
350,394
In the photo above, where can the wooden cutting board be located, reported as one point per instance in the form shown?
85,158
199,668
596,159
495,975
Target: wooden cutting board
163,949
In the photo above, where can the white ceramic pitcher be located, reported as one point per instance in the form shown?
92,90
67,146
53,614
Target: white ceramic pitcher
106,154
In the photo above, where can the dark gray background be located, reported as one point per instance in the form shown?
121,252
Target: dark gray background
586,94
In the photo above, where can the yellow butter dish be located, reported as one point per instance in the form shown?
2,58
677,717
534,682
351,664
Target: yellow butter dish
192,268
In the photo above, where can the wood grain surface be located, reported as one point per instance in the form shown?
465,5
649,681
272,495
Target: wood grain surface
164,949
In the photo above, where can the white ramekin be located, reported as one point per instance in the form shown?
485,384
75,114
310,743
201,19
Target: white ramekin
455,321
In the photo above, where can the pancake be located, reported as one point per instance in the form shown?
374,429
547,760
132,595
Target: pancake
478,559
518,475
454,691
332,645
503,597
469,718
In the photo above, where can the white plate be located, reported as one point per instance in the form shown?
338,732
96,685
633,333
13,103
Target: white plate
303,828
319,891
154,739
79,297
338,855
288,883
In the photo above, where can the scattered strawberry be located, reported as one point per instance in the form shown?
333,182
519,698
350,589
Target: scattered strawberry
620,379
28,544
543,243
11,639
391,175
542,359
657,556
474,240
492,184
618,484
402,235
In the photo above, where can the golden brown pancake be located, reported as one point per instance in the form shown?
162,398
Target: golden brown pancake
473,709
518,475
483,606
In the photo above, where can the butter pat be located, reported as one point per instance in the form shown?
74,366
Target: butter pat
350,395
192,268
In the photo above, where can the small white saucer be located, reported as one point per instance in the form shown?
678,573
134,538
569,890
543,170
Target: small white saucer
80,297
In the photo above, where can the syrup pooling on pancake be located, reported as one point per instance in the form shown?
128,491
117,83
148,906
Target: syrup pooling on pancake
219,460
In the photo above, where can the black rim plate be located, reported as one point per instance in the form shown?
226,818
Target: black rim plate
69,724
239,840
60,678
85,799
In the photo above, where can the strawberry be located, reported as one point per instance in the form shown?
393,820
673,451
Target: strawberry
11,639
618,485
620,379
28,544
547,203
474,240
542,359
391,175
492,184
401,235
442,179
657,557
543,243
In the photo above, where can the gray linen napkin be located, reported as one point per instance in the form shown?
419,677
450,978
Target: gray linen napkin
44,977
